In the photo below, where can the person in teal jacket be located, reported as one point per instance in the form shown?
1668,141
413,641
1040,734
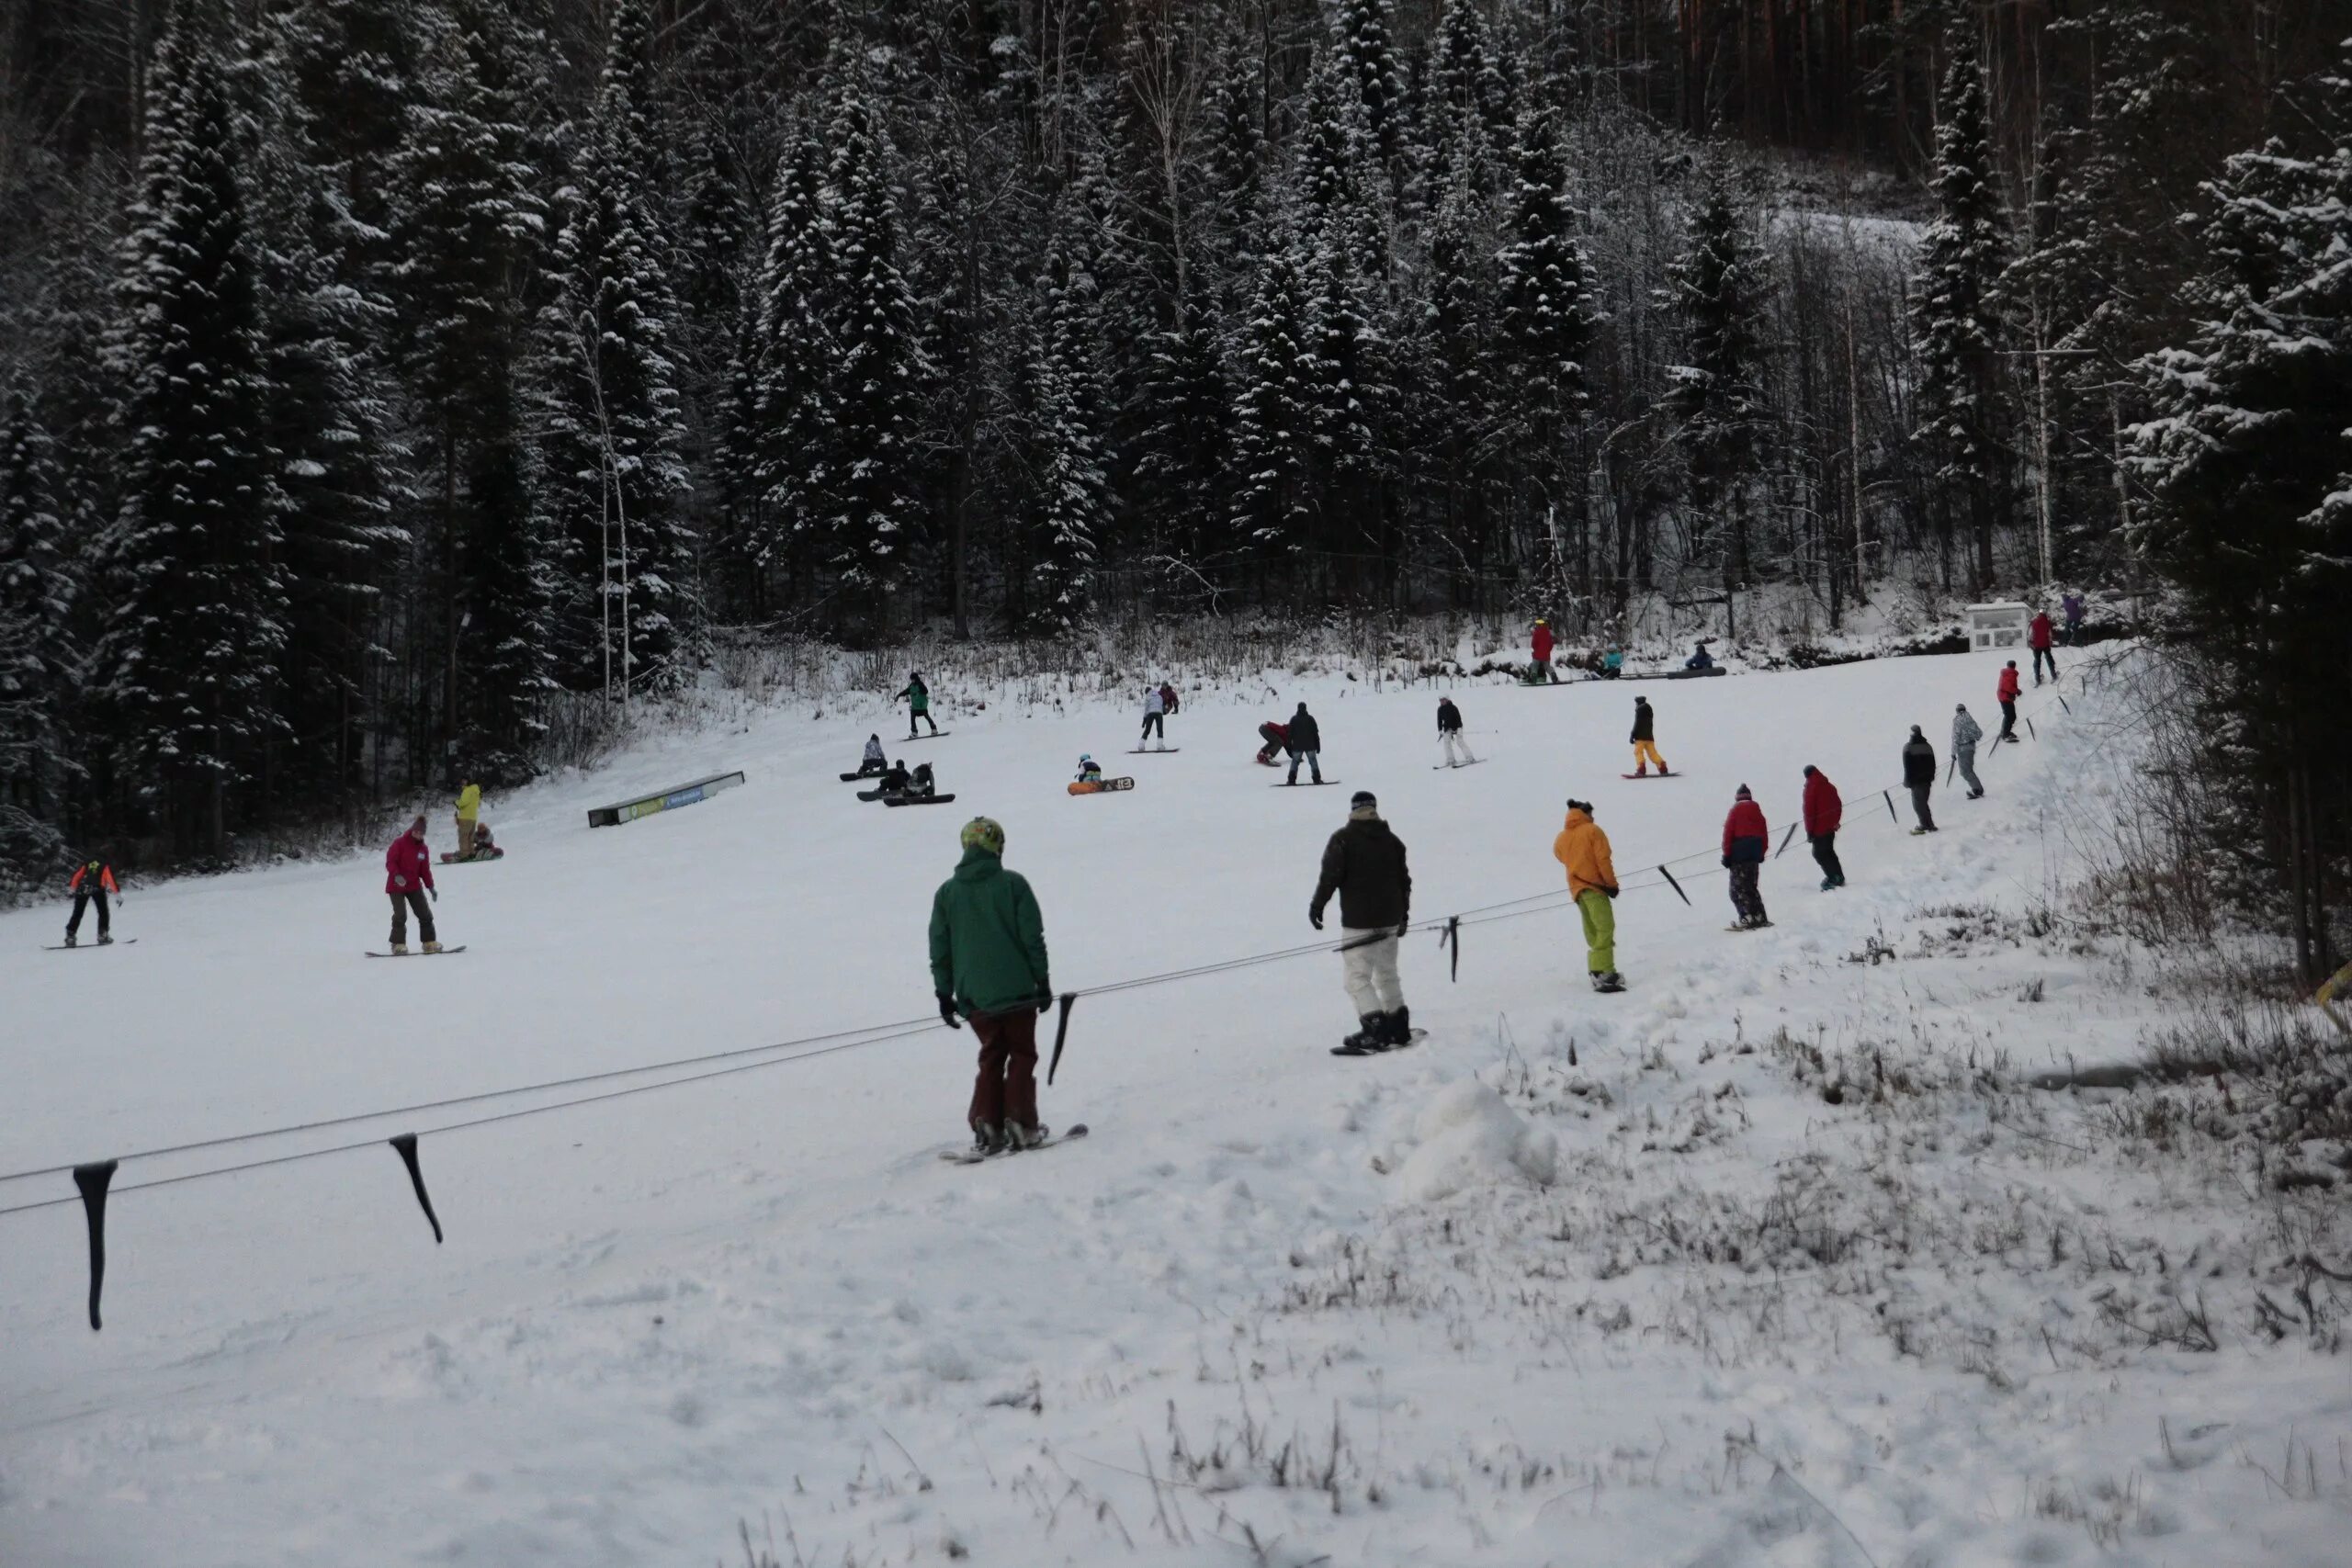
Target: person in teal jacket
988,963
917,696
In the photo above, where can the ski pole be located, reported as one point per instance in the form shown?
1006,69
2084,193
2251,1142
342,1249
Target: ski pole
1888,795
1787,839
1676,885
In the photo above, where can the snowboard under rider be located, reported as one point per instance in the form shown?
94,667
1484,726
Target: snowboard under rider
408,878
988,966
92,881
1645,738
1364,864
1449,734
1304,739
917,696
1745,838
1823,812
1583,849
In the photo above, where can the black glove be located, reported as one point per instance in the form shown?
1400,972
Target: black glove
947,1010
1727,863
1404,930
1044,1004
1315,918
1610,891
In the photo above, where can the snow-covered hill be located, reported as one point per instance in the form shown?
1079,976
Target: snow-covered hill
1766,1260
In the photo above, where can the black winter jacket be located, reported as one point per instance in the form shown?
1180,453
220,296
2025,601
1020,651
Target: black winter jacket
1303,734
1448,717
1364,864
1645,720
1918,764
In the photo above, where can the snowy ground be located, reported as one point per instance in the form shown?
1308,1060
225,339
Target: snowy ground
1766,1261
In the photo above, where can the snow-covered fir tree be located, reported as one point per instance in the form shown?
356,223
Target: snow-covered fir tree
1718,293
790,365
1276,422
38,661
1545,318
1070,504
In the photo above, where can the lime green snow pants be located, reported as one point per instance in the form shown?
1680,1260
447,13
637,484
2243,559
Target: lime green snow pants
1599,930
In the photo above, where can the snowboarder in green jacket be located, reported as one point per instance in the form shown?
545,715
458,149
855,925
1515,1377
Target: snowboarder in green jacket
988,963
917,696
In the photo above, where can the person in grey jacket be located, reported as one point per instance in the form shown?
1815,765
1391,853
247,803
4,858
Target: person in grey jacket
1965,733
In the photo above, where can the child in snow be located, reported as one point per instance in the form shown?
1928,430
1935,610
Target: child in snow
1449,734
874,763
1155,719
1364,864
1744,836
1090,771
1583,847
92,881
1613,664
1276,736
1166,699
917,696
485,847
1645,738
408,877
1699,657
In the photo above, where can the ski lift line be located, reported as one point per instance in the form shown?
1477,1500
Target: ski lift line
905,1033
875,1034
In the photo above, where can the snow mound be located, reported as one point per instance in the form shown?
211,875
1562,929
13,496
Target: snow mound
1468,1137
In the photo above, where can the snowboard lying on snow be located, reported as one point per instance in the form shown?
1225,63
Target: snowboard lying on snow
917,799
861,774
974,1156
1100,786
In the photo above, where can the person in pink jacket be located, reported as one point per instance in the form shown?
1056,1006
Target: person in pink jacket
408,877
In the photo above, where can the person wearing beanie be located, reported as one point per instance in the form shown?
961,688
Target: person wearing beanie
917,696
408,877
1583,849
988,965
873,764
1919,778
1745,837
1823,811
1965,733
1449,735
1364,864
1645,738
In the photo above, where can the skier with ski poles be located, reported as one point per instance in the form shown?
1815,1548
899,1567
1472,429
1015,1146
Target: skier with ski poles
1965,733
1823,812
1364,864
917,696
1919,778
91,882
988,965
2007,692
1583,849
408,877
1644,739
1449,734
1745,837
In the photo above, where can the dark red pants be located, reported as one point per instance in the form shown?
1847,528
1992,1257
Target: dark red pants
1006,1089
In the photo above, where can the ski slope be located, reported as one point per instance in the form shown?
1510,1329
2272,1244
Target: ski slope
761,1298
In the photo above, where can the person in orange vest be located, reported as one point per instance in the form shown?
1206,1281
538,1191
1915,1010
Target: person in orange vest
93,880
1542,648
1583,847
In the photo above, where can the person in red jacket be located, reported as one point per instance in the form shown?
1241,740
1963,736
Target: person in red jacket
2008,692
408,877
93,880
1823,813
2037,638
1744,836
1542,647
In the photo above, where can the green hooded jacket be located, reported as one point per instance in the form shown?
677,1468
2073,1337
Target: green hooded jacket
987,941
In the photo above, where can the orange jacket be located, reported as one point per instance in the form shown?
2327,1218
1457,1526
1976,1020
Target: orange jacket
1583,847
104,878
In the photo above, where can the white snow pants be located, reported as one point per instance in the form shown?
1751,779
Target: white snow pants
1453,743
1371,956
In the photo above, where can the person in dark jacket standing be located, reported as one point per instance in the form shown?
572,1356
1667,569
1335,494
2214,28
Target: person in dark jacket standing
1364,864
1965,733
1744,836
988,962
92,881
1823,812
1645,738
1449,734
408,877
1304,741
1919,778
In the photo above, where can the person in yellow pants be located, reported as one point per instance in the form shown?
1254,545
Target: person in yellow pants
1645,738
468,815
1583,847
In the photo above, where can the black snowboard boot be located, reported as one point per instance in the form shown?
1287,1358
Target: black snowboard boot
1401,1028
1370,1038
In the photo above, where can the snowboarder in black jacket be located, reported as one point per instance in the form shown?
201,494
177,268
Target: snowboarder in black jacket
1304,742
1364,864
1645,738
1449,734
1919,777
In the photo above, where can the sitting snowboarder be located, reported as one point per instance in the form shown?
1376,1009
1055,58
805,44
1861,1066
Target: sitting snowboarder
1089,771
485,847
874,764
894,780
919,782
1276,736
1699,657
1613,664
